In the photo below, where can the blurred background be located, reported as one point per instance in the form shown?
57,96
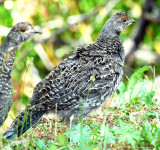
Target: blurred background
67,24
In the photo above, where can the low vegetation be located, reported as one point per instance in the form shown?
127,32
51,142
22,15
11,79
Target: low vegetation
132,122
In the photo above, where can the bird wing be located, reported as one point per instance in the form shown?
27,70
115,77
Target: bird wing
71,81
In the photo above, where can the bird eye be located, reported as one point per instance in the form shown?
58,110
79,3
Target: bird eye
124,20
22,30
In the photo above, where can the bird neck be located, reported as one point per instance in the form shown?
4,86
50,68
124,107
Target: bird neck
7,55
105,37
108,31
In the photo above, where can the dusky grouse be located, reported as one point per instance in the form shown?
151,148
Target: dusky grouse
20,33
82,82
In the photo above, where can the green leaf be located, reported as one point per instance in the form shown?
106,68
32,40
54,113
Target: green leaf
147,98
109,138
40,144
61,139
79,135
136,77
127,133
1,136
52,146
135,100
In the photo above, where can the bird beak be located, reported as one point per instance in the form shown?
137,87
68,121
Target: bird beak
38,32
133,21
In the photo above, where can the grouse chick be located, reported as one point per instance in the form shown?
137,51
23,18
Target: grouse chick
82,82
20,33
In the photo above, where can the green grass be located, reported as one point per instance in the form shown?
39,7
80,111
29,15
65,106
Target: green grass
132,122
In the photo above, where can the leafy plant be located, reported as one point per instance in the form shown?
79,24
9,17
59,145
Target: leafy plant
127,133
80,135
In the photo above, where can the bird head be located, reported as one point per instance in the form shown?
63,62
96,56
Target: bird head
116,24
121,21
21,32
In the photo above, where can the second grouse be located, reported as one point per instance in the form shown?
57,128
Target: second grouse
20,33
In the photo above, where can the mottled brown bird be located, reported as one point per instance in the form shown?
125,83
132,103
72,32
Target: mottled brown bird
82,82
20,33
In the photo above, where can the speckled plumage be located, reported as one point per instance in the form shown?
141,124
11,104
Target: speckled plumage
96,69
20,33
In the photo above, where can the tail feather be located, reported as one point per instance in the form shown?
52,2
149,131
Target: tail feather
22,123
